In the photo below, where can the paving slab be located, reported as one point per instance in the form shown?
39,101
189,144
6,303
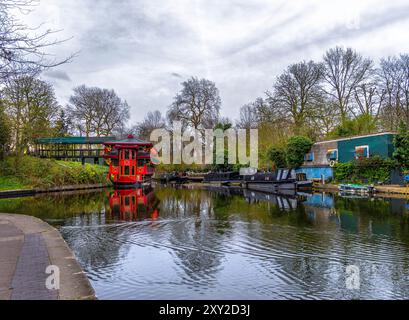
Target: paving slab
28,246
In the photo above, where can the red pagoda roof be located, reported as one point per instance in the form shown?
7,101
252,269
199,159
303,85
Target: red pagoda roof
130,140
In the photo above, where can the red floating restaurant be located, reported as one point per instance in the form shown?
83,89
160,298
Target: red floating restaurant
129,162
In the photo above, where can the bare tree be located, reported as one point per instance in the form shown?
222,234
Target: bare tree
81,110
324,119
390,79
345,71
97,111
368,99
394,82
197,104
153,120
23,49
248,117
404,84
265,110
296,92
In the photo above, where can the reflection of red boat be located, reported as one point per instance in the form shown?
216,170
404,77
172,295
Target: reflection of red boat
129,161
133,204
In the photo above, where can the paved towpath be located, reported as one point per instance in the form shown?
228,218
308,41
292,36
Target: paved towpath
27,247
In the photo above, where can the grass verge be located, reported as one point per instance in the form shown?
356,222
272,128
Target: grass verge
31,172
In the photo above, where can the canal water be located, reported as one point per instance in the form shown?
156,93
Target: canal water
221,243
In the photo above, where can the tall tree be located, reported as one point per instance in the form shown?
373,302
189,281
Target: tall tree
153,120
263,110
248,117
345,71
21,50
296,93
31,107
4,131
325,118
97,111
62,124
368,99
394,83
197,104
401,143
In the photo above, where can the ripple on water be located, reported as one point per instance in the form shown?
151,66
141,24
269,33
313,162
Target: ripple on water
191,257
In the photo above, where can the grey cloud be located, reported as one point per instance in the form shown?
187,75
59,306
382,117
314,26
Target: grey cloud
144,49
57,74
262,35
369,23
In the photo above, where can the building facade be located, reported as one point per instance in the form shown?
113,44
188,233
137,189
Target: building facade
319,162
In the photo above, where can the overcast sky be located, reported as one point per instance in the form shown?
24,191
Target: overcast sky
144,49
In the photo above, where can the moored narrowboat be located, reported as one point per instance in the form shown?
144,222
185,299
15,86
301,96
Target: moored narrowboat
280,181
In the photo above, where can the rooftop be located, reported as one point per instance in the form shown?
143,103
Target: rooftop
129,140
74,140
357,137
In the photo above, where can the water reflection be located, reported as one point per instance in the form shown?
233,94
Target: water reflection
133,204
228,243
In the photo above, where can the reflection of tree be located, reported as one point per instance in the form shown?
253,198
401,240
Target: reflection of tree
196,241
57,205
96,248
180,203
316,255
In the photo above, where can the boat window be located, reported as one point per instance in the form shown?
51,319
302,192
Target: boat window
126,171
126,154
127,202
133,170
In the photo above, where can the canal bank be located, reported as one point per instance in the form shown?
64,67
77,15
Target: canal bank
381,190
32,192
28,246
